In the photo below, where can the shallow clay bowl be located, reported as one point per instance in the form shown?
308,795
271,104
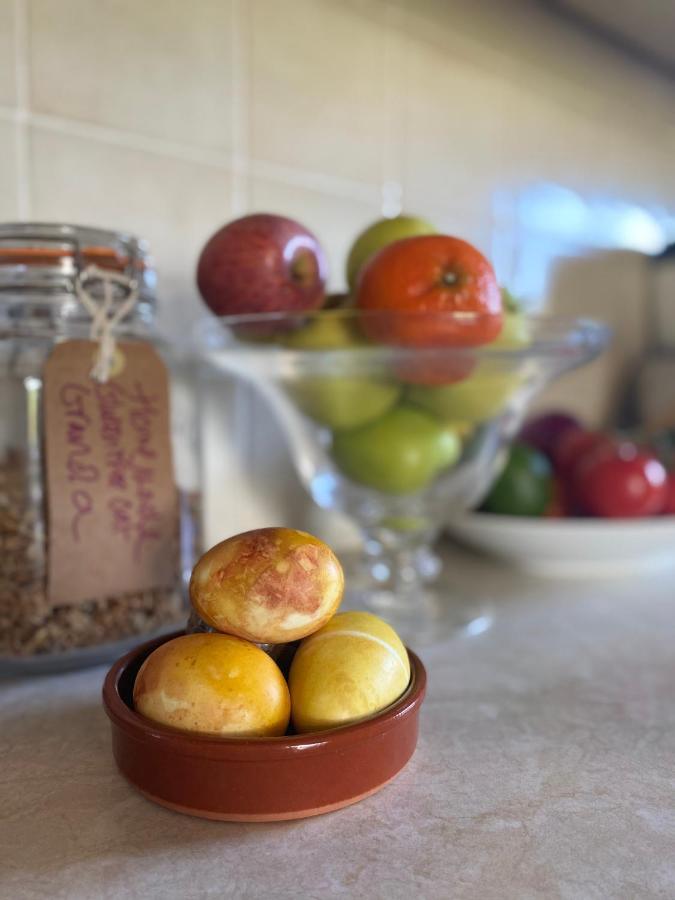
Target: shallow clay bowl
258,779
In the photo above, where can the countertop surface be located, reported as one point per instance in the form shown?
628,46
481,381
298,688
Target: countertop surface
545,768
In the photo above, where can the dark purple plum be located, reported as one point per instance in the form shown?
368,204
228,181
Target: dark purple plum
543,432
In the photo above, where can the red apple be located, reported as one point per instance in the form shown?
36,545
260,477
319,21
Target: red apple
262,263
576,444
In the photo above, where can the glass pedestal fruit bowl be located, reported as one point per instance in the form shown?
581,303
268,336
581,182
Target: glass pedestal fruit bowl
399,436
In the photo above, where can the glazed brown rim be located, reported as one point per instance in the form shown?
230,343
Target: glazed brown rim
212,746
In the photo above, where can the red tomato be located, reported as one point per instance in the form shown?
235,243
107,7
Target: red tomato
628,485
575,445
669,506
430,291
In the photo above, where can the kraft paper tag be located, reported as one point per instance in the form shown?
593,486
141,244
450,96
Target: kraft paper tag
111,494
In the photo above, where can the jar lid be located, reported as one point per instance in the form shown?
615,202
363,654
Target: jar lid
42,262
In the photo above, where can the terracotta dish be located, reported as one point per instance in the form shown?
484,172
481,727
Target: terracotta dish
262,779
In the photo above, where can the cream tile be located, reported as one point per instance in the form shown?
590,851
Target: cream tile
7,53
544,141
335,220
9,209
158,69
571,108
452,122
468,218
639,166
317,86
175,205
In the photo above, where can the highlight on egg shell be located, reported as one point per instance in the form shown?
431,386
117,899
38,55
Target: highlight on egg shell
271,585
213,684
350,669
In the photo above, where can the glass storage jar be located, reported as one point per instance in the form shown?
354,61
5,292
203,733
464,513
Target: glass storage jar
41,266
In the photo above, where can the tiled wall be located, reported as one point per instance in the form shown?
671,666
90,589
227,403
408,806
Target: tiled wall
167,118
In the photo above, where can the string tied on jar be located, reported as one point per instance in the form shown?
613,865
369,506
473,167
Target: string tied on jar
106,313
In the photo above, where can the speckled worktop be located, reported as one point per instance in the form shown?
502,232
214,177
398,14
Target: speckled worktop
546,768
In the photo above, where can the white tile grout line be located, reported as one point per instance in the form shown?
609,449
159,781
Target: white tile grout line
131,140
392,188
242,436
22,111
317,181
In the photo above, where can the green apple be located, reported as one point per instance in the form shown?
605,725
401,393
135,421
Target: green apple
399,453
327,331
377,236
344,402
338,401
516,332
478,398
488,388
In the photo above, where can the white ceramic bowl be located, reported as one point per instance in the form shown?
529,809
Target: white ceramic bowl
571,547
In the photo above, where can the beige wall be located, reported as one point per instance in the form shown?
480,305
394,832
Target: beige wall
167,118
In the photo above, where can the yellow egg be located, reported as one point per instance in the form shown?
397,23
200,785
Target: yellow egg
351,668
214,684
271,585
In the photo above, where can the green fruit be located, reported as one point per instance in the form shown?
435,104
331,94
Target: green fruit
338,401
399,453
525,486
448,447
515,333
484,393
327,331
343,403
404,523
377,236
478,398
510,302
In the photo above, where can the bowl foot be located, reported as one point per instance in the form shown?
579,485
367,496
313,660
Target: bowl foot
284,816
423,611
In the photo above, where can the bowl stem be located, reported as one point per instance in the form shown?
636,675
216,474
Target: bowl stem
400,577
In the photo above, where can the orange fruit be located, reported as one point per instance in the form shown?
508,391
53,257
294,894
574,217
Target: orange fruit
438,291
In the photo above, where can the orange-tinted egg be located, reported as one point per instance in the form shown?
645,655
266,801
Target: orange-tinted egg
214,684
272,585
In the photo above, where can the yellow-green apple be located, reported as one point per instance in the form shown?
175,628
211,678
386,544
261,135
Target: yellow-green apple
379,235
344,400
399,453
